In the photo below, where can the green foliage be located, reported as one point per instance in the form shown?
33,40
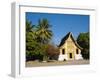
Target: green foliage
83,41
37,38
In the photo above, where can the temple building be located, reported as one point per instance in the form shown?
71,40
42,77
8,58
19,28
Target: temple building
69,49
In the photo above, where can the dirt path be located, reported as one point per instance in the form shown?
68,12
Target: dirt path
56,63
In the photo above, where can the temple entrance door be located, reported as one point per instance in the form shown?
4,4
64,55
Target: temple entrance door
70,55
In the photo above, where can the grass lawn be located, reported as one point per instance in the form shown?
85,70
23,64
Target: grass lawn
56,63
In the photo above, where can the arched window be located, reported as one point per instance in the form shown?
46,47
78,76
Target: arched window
77,52
63,51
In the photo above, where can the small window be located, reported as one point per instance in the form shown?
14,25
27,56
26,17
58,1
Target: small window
77,51
70,55
63,51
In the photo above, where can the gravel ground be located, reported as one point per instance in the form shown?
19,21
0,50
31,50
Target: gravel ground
56,63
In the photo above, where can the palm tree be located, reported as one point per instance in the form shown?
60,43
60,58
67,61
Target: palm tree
44,35
30,30
44,32
38,34
29,26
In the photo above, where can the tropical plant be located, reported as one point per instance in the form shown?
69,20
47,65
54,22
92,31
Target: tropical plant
43,30
29,26
30,30
37,38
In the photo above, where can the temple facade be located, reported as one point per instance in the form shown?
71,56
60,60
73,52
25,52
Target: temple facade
69,49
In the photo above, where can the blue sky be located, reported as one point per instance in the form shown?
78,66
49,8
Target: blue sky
62,24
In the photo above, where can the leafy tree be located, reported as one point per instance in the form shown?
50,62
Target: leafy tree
52,51
30,39
36,51
83,41
37,39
